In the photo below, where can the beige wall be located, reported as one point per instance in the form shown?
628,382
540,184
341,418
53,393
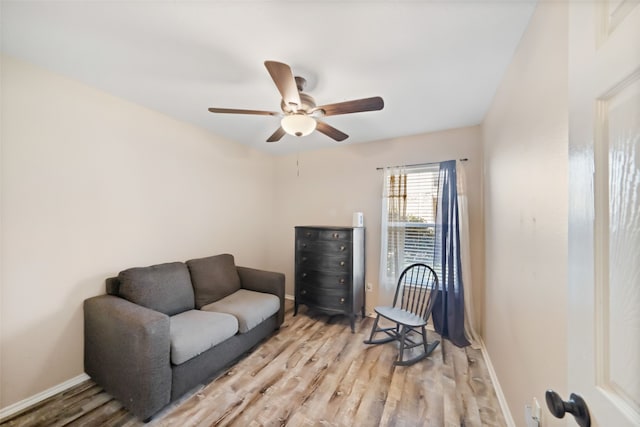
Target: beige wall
525,136
325,187
91,185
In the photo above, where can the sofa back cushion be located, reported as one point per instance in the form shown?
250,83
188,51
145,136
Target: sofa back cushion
213,278
164,287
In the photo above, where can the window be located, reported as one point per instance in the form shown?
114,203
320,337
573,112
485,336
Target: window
421,223
411,206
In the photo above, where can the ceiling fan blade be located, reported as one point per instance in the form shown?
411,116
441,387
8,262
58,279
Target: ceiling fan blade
330,131
285,82
277,135
355,106
238,111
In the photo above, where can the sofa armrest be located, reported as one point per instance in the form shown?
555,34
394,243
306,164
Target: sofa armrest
127,352
264,281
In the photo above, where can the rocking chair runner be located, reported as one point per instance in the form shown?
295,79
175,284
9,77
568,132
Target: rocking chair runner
412,305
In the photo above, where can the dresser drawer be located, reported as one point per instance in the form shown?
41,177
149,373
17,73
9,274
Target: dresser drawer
323,246
344,235
332,263
321,279
307,233
334,300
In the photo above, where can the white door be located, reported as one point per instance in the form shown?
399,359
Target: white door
604,209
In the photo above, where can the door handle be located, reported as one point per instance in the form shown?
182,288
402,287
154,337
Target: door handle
576,406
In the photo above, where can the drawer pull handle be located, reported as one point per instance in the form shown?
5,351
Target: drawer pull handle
336,235
308,234
304,245
342,248
304,258
304,274
341,300
342,281
303,292
341,263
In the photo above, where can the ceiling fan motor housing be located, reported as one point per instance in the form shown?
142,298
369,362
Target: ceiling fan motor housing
307,104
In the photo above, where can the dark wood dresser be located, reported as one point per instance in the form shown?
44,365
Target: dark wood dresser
330,270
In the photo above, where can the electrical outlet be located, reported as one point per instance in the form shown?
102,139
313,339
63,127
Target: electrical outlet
536,410
369,287
532,414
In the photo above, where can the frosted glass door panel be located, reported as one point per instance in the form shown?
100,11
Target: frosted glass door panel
623,289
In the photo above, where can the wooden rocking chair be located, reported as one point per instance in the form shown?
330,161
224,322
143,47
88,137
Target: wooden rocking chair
412,305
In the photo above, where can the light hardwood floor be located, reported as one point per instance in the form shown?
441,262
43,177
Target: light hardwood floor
312,372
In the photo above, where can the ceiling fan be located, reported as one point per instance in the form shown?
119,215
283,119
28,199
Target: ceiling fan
300,115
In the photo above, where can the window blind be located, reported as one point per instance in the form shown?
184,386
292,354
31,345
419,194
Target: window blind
418,226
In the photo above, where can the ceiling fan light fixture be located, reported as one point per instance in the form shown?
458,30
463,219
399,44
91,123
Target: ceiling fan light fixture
298,124
299,110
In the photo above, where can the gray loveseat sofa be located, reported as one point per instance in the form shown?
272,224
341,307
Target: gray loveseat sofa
164,329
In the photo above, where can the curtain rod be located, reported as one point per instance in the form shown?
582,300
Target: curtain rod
417,164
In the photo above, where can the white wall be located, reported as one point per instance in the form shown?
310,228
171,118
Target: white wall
91,185
325,187
525,136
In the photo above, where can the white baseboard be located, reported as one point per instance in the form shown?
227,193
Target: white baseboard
24,404
496,385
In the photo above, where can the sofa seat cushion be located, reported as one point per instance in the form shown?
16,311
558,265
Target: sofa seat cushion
164,287
213,278
249,307
193,332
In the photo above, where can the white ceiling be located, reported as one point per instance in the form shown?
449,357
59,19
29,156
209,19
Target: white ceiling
437,64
